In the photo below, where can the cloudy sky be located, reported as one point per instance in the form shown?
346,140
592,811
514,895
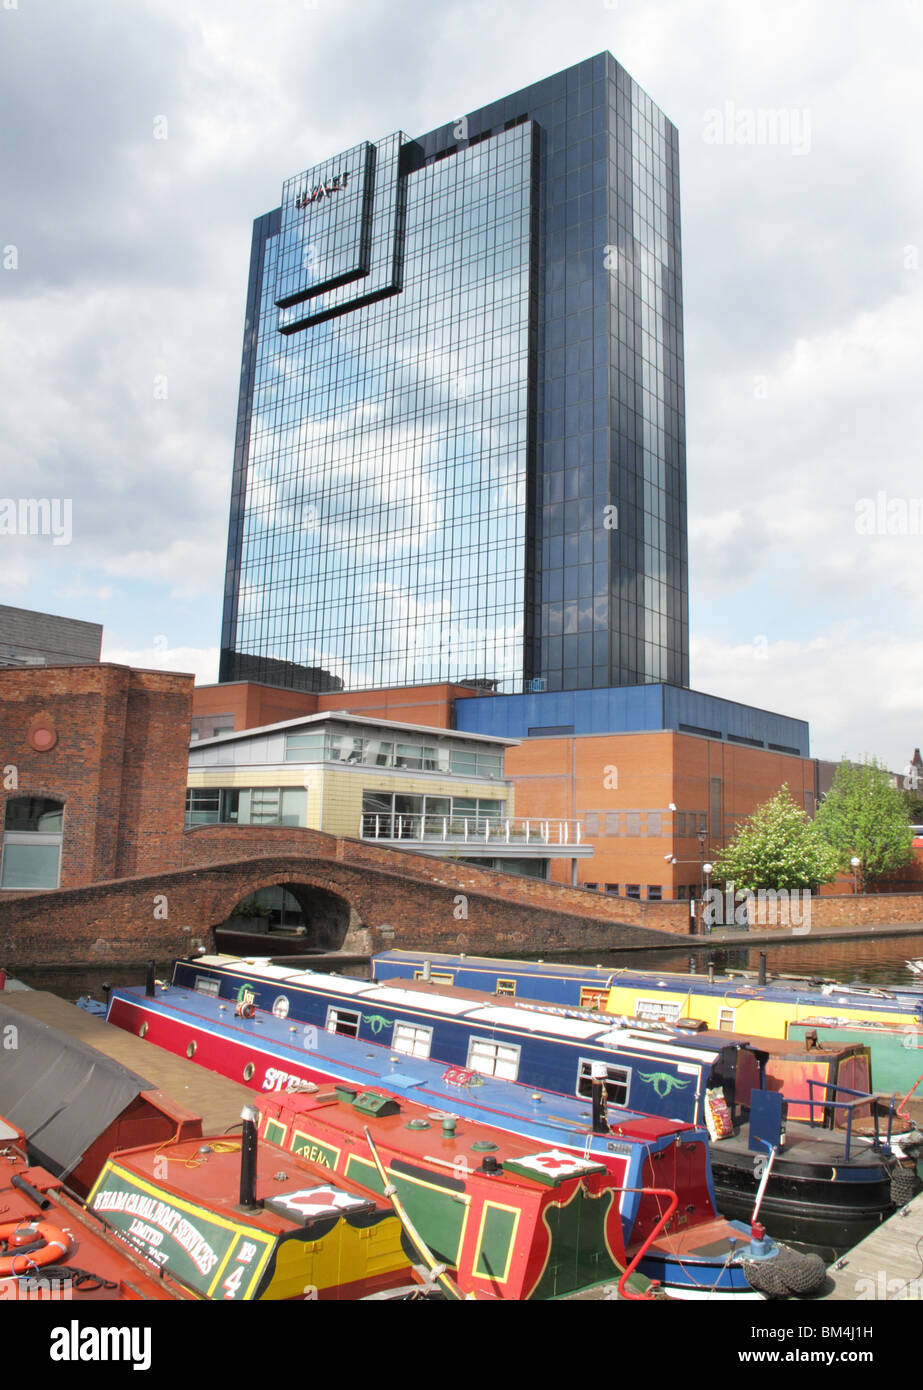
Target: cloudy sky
142,137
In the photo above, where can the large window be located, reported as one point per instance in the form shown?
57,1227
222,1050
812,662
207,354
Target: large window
394,816
493,1058
412,1039
414,755
618,1080
32,832
246,806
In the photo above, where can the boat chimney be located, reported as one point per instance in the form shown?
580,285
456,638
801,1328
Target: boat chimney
692,965
248,1159
598,1076
711,971
762,977
427,971
149,980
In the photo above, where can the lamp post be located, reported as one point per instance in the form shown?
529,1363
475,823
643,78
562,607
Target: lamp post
855,862
702,840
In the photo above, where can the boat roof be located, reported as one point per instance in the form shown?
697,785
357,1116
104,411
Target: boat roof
93,1248
415,1132
606,976
375,1065
206,1172
476,1007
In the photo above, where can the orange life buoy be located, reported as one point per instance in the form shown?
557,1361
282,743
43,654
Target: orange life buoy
56,1245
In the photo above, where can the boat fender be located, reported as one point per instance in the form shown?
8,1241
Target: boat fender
36,1243
785,1273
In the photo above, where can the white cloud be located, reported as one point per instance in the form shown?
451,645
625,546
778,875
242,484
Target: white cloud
202,662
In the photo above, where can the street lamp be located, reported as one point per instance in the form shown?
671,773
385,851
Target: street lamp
855,863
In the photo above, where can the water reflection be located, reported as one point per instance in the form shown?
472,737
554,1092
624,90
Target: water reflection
877,960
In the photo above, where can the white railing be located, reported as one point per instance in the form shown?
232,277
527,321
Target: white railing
470,829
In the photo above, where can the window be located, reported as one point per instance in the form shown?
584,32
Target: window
632,890
493,1058
506,987
612,888
343,1021
655,892
592,998
435,977
207,984
32,843
618,1081
657,1008
412,1039
726,1020
592,886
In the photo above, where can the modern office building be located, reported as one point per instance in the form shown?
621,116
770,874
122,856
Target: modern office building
405,786
460,452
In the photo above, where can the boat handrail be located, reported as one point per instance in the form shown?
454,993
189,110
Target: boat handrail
860,1098
661,1225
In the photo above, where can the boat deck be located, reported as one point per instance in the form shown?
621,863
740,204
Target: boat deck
214,1098
884,1266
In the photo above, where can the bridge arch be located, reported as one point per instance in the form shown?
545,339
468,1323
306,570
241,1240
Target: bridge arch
325,915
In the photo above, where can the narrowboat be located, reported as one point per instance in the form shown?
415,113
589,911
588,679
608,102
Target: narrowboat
828,1188
52,1249
698,1253
279,1229
507,1219
888,1021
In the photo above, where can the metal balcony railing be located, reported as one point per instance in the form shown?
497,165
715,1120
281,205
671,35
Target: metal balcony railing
464,830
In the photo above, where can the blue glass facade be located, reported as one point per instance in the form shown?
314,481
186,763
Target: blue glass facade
639,709
460,451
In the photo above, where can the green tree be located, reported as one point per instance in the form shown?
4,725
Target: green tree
777,847
863,816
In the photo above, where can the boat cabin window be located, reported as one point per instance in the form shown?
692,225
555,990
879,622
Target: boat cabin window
591,998
343,1021
726,1019
666,1009
493,1058
207,984
506,987
618,1082
435,977
412,1039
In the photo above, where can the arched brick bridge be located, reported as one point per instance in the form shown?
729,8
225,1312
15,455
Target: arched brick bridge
356,896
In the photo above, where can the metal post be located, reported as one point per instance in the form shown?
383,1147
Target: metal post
248,1200
598,1076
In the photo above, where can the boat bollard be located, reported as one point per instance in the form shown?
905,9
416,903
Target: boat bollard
248,1159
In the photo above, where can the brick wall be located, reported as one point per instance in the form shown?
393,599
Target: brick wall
118,762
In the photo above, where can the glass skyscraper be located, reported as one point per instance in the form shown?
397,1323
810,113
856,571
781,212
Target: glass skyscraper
461,446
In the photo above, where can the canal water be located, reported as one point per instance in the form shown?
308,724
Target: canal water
876,960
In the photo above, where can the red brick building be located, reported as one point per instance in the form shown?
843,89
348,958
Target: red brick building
94,762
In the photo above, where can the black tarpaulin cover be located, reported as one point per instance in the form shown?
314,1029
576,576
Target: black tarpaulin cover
61,1093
